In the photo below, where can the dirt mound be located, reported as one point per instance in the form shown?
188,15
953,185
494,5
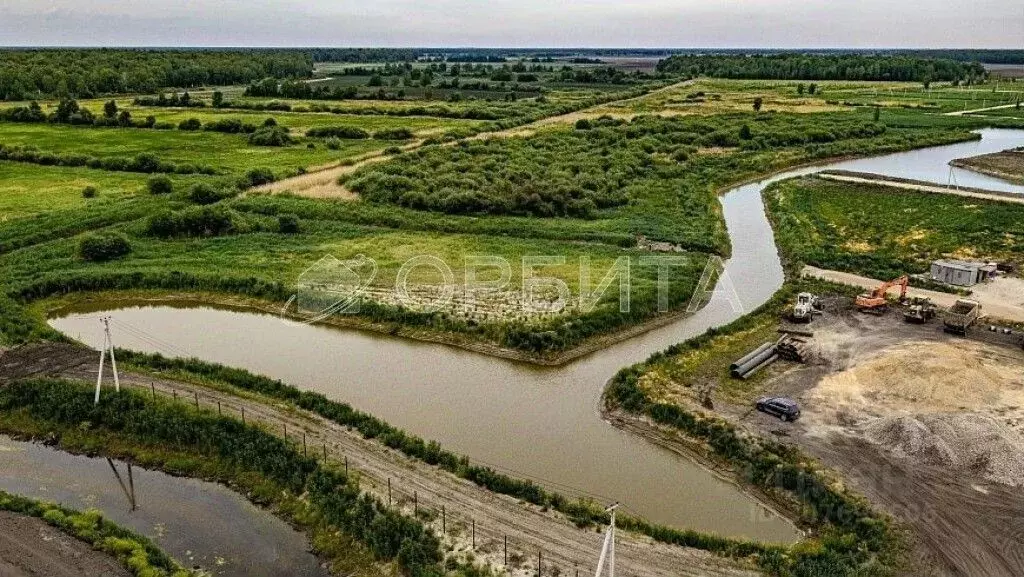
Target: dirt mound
974,443
926,377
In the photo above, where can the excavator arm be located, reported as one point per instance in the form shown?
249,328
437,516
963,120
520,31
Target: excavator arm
875,301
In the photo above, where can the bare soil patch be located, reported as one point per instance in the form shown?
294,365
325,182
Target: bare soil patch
29,547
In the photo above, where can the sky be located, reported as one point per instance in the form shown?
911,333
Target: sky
517,23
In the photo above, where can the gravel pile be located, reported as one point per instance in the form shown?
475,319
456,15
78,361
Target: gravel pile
970,442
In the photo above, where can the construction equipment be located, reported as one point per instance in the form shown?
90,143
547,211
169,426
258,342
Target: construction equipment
807,305
959,318
875,302
787,347
920,310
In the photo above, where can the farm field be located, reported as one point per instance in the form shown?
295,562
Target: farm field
883,232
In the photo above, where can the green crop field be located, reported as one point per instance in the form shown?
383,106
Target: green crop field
885,232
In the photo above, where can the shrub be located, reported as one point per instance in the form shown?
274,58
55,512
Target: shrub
288,224
101,247
332,143
270,136
347,132
190,124
393,134
89,192
259,176
202,193
193,221
160,184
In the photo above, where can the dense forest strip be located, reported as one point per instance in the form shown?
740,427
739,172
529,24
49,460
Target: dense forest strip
798,66
85,72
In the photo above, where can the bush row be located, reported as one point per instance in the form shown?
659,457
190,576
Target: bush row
143,162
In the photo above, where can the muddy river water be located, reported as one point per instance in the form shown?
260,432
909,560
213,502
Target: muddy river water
196,522
537,422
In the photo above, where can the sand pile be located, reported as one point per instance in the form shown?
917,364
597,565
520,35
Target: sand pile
970,442
925,377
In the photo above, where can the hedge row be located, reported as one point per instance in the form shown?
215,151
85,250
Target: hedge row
144,162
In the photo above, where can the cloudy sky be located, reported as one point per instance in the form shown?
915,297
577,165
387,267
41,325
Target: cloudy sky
516,23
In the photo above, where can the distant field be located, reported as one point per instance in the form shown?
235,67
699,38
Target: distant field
29,189
710,96
225,152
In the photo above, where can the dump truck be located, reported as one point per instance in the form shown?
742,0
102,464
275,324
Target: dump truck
959,318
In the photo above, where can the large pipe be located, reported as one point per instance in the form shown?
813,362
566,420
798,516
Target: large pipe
753,362
764,364
745,358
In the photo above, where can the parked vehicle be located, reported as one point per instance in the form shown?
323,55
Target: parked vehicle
782,407
961,316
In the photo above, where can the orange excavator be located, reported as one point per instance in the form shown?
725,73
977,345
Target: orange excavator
874,302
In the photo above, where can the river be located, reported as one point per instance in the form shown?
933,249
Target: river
537,422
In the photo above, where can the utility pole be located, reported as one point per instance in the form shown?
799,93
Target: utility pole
108,343
608,550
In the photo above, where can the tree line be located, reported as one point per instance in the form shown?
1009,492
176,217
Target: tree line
797,66
86,73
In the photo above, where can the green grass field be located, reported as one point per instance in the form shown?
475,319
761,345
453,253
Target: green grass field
884,232
228,153
28,189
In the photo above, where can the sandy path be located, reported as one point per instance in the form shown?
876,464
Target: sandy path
528,528
30,547
323,183
993,301
938,188
963,112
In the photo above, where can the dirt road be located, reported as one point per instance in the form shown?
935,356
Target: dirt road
986,109
936,188
30,547
528,528
993,302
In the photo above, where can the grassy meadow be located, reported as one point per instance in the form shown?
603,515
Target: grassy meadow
884,232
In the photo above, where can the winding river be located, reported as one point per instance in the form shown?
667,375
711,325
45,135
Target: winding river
537,422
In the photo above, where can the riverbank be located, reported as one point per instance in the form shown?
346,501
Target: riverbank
1007,165
388,474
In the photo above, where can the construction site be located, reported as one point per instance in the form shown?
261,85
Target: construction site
920,408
